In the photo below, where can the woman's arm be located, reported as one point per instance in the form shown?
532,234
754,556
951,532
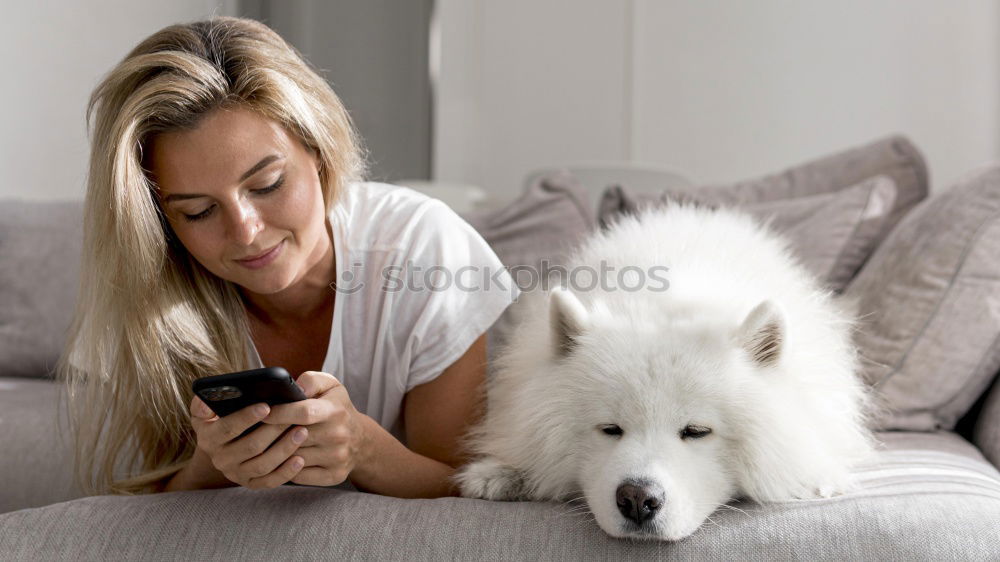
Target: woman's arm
436,415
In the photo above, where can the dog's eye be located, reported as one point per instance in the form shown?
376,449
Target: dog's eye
611,429
695,432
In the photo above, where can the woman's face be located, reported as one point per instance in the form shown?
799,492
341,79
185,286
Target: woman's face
239,186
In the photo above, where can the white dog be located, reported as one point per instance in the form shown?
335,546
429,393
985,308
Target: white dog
709,366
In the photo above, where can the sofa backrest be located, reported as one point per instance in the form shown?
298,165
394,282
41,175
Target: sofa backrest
40,244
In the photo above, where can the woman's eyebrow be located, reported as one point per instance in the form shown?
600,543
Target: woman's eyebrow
256,168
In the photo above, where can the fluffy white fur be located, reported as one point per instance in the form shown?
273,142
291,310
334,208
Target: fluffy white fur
743,342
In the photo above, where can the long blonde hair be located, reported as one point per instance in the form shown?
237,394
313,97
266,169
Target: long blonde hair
149,318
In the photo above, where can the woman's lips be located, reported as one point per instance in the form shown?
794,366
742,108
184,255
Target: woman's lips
264,259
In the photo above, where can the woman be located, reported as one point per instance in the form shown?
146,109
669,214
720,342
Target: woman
227,227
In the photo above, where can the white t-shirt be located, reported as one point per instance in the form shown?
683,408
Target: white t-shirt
396,324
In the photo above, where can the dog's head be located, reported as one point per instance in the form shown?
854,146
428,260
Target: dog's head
659,441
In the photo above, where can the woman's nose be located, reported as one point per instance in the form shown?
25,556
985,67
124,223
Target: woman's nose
244,224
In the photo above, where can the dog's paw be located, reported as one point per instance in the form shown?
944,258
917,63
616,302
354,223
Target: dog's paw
837,486
489,479
823,491
804,491
826,489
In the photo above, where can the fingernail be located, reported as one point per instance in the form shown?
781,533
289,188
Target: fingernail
261,410
299,435
297,463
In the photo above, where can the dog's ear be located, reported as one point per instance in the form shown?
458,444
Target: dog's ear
762,333
567,318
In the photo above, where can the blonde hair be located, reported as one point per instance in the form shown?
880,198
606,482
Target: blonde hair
149,318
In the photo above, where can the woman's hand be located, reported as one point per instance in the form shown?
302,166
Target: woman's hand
248,460
337,441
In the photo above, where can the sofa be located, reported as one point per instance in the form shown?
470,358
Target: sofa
921,269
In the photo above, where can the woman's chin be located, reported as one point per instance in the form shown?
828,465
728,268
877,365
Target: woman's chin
263,283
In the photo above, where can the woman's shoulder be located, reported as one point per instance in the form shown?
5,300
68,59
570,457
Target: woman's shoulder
382,215
374,197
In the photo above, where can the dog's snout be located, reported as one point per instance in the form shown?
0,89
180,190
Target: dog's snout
639,500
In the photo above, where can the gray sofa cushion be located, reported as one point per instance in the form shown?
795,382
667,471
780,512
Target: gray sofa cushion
39,269
930,296
927,497
832,233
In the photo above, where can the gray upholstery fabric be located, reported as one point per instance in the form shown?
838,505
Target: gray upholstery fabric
534,233
832,233
35,463
927,497
39,264
986,434
930,296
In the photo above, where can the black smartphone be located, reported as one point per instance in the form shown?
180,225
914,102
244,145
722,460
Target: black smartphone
230,392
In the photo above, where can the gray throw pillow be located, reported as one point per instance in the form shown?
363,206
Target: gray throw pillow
893,156
534,234
40,245
831,233
930,301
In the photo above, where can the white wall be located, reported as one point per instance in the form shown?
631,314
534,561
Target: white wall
55,53
525,83
719,91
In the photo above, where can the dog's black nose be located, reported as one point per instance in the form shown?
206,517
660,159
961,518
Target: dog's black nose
639,500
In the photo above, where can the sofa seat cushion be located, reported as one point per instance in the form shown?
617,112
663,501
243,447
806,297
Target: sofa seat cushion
925,496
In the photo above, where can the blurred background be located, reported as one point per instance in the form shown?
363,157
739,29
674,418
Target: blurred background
468,97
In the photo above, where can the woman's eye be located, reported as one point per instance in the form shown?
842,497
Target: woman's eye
695,432
199,216
611,429
271,188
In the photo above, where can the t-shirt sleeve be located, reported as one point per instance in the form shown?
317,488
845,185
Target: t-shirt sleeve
455,289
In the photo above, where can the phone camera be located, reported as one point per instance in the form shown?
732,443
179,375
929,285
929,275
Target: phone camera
218,393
